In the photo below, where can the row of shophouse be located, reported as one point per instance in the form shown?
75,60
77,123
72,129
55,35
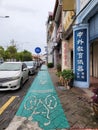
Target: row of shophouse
72,38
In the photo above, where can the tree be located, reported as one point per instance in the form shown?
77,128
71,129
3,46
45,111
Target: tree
19,56
7,55
27,56
1,52
12,51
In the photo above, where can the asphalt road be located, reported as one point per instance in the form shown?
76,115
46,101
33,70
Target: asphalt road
10,101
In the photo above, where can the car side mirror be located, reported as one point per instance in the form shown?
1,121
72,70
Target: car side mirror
24,69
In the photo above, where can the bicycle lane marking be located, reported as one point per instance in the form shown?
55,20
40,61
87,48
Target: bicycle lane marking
41,104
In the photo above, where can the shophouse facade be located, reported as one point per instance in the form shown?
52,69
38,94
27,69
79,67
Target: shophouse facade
67,39
56,37
61,38
75,39
68,14
50,27
85,33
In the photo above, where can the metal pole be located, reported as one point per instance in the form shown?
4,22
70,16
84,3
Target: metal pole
4,16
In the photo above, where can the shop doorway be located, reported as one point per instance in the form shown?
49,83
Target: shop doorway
72,59
94,64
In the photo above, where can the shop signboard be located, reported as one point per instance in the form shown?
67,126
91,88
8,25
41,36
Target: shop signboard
80,40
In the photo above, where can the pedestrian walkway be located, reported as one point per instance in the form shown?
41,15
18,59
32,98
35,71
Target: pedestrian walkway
41,108
76,103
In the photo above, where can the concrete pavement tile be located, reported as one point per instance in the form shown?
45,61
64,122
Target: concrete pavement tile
79,124
21,123
82,129
77,106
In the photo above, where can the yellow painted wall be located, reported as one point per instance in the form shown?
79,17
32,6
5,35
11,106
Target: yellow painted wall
67,20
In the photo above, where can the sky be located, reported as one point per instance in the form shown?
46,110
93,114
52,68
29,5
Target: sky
26,24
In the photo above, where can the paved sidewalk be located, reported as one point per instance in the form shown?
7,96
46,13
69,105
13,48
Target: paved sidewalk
76,103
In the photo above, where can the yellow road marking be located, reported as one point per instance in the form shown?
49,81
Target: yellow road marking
7,104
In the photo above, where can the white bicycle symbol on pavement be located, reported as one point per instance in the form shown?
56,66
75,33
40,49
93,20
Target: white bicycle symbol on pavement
33,103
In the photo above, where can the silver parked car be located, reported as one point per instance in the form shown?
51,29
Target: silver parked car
31,67
13,75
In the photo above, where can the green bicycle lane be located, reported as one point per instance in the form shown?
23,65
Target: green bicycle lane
42,105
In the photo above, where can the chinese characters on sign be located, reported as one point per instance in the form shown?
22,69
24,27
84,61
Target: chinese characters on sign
81,55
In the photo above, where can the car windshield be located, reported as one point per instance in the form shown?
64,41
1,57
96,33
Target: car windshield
29,63
10,66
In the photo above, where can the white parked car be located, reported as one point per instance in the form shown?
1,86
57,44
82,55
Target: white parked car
13,75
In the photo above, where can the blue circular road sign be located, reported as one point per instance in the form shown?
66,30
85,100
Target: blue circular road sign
37,49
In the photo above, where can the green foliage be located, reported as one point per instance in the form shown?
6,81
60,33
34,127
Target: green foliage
1,52
11,53
50,65
12,49
7,55
24,56
59,73
58,67
27,56
67,74
19,56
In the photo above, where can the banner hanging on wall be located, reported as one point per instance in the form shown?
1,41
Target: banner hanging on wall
80,40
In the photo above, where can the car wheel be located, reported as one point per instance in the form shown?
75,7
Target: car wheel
28,77
29,73
21,83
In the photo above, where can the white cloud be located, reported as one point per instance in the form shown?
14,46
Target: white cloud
26,23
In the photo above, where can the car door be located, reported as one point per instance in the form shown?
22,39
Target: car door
24,72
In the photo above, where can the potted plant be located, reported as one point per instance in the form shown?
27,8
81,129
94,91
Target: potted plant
50,65
68,77
61,80
58,67
95,101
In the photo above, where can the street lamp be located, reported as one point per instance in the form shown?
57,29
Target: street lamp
4,16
